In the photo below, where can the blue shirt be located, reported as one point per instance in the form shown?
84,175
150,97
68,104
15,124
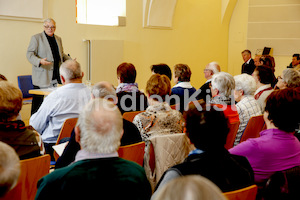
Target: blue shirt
63,103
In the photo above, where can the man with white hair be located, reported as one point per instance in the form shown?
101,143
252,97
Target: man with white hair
210,69
63,103
45,53
247,106
97,172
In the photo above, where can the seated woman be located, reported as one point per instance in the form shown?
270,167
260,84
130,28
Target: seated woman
264,78
222,86
277,148
130,98
207,130
290,78
159,118
183,88
247,106
25,140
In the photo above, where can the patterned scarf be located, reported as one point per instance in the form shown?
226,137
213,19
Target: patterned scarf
127,87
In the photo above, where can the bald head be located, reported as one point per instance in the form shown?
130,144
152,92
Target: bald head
70,71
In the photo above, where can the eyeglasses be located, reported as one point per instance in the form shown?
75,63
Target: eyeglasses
51,27
207,70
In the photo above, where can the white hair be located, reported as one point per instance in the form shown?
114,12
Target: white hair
224,82
70,70
101,127
104,90
246,83
191,187
49,20
9,168
214,67
291,77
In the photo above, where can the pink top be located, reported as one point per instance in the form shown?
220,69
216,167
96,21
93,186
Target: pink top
275,150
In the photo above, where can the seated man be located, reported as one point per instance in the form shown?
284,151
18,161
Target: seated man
24,139
295,64
210,69
207,130
63,103
131,133
183,88
97,170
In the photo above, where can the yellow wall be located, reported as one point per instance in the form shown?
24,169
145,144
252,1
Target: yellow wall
238,41
197,38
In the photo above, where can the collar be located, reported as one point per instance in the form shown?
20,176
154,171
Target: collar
209,80
196,152
262,88
13,125
84,155
184,85
248,61
275,131
160,106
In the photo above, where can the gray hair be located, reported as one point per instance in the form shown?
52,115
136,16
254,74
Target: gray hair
291,77
49,20
104,90
9,167
214,67
224,82
191,187
101,127
246,83
70,70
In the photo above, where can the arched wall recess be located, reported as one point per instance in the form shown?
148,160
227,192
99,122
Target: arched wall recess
158,13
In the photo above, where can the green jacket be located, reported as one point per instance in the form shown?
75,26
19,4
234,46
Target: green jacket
103,178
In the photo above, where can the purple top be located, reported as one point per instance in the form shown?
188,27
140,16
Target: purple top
275,150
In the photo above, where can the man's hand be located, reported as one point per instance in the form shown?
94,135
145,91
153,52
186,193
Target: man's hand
45,62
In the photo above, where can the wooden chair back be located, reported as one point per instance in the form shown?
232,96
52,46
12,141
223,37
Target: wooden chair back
248,193
65,132
254,127
233,128
134,152
31,171
129,116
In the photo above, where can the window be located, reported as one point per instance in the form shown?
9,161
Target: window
100,12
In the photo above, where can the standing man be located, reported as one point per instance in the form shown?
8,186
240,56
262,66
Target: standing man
248,66
45,53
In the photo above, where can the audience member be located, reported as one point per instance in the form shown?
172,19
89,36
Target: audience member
247,106
24,139
192,187
63,103
162,69
130,98
183,88
97,170
268,61
277,148
131,133
9,168
290,78
264,77
257,61
295,62
222,86
207,129
210,69
159,118
248,66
